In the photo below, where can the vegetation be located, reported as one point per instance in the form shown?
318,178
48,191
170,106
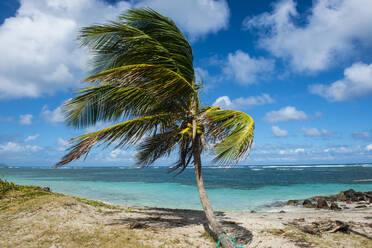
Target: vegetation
143,80
32,217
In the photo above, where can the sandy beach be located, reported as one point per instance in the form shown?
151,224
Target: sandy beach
33,217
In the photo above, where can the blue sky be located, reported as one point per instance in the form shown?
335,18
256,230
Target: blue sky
301,69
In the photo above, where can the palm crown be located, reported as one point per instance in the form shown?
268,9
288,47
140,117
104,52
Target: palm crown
143,78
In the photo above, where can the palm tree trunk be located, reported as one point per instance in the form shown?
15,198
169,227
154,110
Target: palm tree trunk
215,226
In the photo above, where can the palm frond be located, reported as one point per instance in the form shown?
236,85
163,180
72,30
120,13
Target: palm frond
233,132
156,146
113,102
128,132
185,156
165,31
138,37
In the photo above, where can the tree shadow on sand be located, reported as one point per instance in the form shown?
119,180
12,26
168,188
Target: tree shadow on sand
173,218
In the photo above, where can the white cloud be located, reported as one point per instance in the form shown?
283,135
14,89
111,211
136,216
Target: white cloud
332,30
369,147
315,132
288,113
357,83
25,119
52,116
246,69
341,149
13,147
40,47
119,155
32,137
39,44
98,126
292,151
243,103
279,132
62,144
195,17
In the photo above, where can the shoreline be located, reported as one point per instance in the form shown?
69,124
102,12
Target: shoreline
34,217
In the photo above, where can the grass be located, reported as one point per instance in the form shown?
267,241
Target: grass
32,217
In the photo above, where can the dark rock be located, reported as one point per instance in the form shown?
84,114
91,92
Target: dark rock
282,211
293,203
334,206
252,212
322,203
46,189
361,206
349,193
308,204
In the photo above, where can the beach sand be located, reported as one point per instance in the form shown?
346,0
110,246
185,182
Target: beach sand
55,220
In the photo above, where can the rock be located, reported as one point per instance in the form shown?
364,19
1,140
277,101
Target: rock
46,189
252,212
334,206
349,193
293,203
322,203
308,204
282,211
361,206
340,196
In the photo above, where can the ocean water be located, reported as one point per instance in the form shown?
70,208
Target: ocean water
229,189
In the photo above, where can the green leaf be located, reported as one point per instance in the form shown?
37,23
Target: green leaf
233,133
125,133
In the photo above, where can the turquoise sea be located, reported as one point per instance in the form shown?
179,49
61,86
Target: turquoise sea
238,189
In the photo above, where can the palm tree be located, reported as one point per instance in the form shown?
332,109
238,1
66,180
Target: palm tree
143,79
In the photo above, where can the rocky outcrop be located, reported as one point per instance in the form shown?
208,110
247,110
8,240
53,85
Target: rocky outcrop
330,202
308,204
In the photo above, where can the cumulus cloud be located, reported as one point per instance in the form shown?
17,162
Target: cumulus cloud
315,132
32,137
40,47
288,113
332,30
196,18
369,147
62,144
52,116
243,103
246,69
279,132
98,126
357,83
119,155
25,119
13,147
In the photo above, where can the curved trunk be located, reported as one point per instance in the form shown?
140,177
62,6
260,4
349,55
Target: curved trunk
215,226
